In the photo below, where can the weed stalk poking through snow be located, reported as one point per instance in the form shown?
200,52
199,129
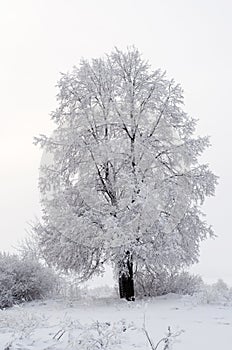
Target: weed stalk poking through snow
167,340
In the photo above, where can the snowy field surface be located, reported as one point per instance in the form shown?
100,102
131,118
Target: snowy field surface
116,324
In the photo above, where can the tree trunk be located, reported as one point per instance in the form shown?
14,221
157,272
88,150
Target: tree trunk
126,281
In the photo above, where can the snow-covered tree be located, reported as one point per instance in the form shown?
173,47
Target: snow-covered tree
123,184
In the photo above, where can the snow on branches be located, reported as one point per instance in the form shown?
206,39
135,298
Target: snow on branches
123,173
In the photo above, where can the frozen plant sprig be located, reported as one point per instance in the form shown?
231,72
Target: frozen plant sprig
167,340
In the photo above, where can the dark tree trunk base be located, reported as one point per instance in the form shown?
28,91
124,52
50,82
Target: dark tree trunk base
126,281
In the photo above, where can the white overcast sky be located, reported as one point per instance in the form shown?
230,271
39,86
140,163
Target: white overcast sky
190,39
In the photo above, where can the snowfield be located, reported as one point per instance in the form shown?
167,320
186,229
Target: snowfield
109,323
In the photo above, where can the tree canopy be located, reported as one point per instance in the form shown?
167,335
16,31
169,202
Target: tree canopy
124,174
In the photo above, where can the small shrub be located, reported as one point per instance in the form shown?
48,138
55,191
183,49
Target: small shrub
164,282
216,293
68,288
23,280
185,283
98,335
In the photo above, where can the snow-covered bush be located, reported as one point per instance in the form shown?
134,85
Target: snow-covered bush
23,280
98,335
155,284
185,283
72,290
217,293
68,289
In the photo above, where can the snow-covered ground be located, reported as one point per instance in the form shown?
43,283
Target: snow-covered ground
65,324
